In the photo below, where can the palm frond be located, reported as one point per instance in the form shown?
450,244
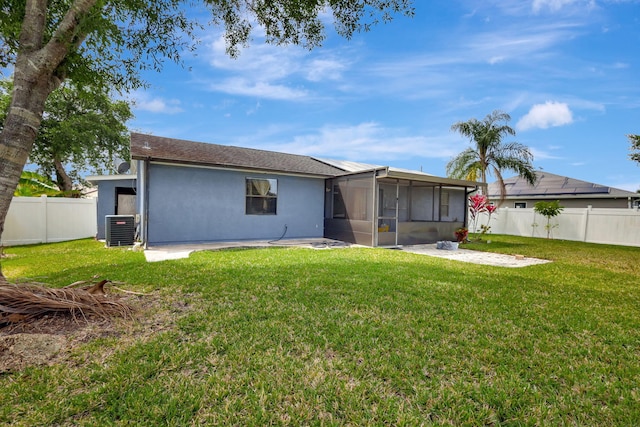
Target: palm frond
464,166
32,184
30,300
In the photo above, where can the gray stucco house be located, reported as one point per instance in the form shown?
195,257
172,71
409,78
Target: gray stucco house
188,192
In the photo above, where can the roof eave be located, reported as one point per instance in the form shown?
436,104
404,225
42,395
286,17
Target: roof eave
394,174
97,178
172,162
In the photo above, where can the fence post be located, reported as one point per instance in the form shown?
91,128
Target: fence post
43,218
586,223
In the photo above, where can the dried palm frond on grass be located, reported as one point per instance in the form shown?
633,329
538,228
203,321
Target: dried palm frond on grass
21,302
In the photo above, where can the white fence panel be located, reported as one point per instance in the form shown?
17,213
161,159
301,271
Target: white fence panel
43,219
595,225
621,228
569,225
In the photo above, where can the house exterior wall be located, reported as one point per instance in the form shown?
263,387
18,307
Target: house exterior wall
107,200
457,206
193,204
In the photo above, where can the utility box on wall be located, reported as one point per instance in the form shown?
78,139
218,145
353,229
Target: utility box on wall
119,230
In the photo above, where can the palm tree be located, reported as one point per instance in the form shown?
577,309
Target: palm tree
490,154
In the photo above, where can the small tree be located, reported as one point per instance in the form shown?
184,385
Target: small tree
635,147
548,210
82,131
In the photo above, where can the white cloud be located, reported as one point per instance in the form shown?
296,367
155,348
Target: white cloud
259,89
539,154
268,62
145,102
517,42
369,142
267,70
325,69
556,5
496,59
253,109
553,5
429,75
546,115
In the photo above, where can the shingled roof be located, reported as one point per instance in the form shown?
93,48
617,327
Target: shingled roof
180,151
552,185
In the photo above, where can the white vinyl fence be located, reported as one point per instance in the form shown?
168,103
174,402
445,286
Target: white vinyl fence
48,219
595,225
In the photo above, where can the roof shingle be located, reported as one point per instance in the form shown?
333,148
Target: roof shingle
199,153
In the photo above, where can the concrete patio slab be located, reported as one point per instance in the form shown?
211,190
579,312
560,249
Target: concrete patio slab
475,257
170,252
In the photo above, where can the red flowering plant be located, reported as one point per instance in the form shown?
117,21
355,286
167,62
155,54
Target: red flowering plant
490,209
478,204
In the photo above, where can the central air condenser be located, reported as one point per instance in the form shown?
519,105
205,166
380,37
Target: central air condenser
120,230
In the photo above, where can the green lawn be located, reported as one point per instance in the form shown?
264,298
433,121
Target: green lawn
345,337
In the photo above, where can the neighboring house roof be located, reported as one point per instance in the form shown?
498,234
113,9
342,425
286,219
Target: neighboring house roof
197,153
551,185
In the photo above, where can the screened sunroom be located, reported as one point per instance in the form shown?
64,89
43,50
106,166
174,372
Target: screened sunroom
389,207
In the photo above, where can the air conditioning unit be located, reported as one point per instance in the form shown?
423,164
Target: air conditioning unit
120,230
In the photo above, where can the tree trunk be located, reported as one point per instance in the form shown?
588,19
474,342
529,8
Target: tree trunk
62,178
36,74
19,133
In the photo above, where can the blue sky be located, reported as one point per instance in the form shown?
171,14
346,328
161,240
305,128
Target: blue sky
567,71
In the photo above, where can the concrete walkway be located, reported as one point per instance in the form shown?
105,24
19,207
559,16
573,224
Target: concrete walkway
475,257
169,252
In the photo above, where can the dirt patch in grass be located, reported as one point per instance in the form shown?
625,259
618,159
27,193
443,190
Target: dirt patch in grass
50,339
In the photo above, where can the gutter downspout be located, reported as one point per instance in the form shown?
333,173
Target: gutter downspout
374,208
145,203
466,207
